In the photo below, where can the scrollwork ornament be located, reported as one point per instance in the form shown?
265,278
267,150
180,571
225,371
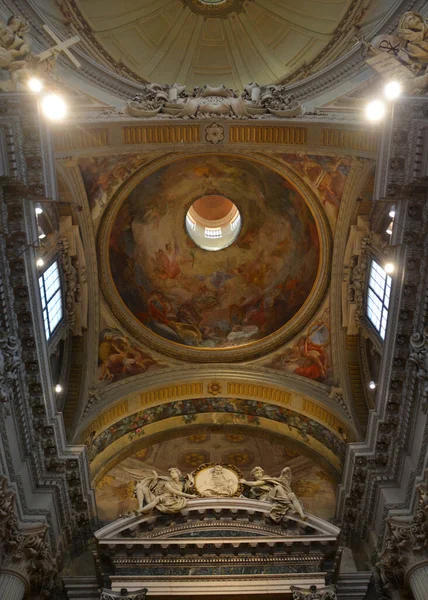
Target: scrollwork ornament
314,593
176,101
419,358
9,361
136,595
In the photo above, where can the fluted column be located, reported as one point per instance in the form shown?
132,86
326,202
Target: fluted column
419,582
12,587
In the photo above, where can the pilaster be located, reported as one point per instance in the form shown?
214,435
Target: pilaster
12,587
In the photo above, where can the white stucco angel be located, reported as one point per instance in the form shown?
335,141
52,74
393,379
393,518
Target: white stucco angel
168,494
276,490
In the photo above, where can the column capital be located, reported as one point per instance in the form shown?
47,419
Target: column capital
406,544
25,552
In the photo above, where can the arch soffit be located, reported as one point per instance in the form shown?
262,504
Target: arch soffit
301,395
123,447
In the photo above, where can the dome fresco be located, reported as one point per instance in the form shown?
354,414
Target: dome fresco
222,299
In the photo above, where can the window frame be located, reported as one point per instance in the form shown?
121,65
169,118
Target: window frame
384,300
44,300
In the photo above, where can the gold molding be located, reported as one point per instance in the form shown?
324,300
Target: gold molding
265,134
322,414
366,141
79,139
198,389
161,134
260,391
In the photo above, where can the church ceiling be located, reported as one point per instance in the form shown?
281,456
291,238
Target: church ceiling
164,303
231,43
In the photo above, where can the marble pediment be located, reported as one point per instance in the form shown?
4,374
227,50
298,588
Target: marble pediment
217,520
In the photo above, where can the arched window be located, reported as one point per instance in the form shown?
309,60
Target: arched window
378,294
51,295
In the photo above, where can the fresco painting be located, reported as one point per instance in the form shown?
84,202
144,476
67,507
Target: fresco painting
309,354
102,175
313,480
214,299
120,358
325,174
246,411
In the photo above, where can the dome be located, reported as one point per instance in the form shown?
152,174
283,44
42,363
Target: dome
215,300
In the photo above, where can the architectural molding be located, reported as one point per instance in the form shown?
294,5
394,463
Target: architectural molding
376,471
31,428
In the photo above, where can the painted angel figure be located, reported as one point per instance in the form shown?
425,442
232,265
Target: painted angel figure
276,490
313,593
166,494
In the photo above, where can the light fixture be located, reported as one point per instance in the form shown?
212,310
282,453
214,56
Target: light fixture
392,212
58,388
375,110
35,85
389,229
389,268
372,385
39,210
54,107
392,90
40,262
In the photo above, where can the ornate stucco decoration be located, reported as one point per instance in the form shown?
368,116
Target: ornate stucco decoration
25,551
214,134
404,54
215,8
314,593
170,494
9,361
16,58
362,245
419,358
167,101
72,257
135,595
406,543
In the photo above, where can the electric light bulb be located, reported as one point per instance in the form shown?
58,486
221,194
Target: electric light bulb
40,262
35,84
392,213
39,210
375,110
372,385
392,90
389,268
54,107
58,388
389,229
42,236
